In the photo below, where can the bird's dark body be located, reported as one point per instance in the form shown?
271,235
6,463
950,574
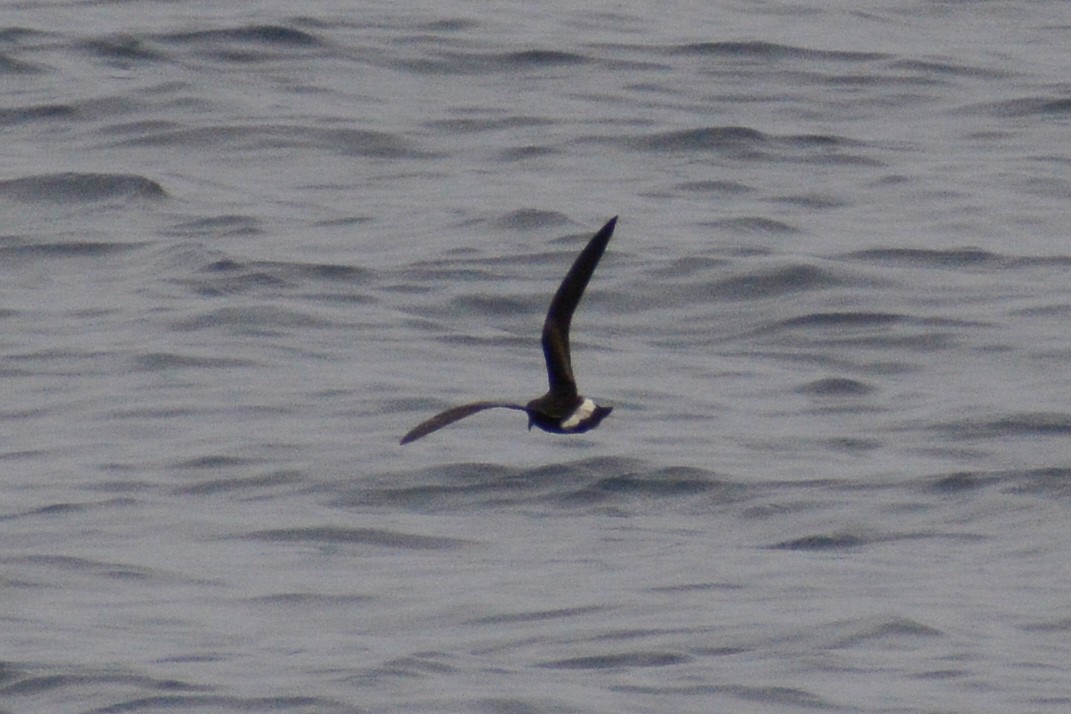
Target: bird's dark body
562,410
547,416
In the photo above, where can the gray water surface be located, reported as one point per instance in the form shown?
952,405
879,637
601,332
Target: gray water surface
245,247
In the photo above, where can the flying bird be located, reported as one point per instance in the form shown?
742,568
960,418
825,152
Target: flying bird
562,410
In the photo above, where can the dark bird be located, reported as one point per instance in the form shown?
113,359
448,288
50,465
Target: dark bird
562,410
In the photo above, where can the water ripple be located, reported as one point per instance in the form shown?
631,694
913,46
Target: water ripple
78,187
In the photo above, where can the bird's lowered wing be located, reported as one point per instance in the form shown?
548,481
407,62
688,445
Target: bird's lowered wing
450,416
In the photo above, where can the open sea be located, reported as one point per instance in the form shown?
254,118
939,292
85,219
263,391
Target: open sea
244,247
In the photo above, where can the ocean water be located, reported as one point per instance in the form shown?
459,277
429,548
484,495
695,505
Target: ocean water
246,246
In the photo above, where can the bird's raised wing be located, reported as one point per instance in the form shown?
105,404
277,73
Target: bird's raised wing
560,314
451,415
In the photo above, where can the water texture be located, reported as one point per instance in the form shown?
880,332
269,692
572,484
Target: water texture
245,247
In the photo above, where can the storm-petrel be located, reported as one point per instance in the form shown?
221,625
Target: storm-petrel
561,410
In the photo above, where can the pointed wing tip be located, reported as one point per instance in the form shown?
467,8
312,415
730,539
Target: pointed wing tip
604,233
409,438
420,431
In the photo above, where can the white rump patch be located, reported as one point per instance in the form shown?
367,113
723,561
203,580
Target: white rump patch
582,413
